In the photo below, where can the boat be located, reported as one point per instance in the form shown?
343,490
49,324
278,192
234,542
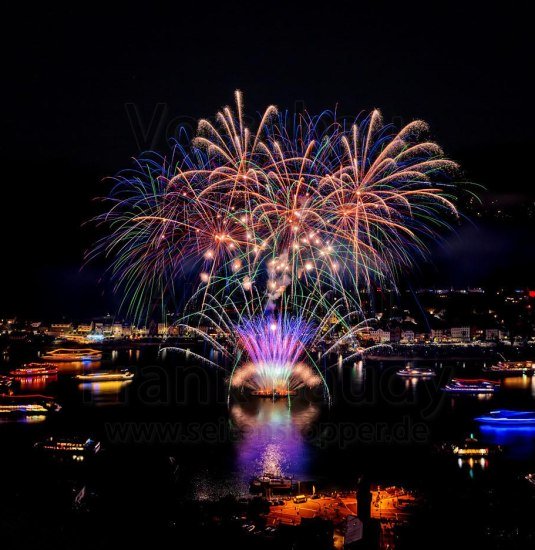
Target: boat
76,448
507,418
416,372
106,376
73,354
280,482
511,367
271,481
274,394
34,369
471,386
469,448
27,405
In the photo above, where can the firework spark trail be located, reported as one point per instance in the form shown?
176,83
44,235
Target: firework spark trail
292,216
274,346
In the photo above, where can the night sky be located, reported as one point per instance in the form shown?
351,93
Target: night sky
80,86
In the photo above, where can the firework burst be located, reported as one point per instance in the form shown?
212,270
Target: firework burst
274,347
274,225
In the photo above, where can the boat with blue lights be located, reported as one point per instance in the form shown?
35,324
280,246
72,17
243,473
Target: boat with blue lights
471,386
507,418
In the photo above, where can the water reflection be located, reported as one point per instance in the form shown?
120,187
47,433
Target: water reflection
26,419
76,367
472,465
518,442
272,436
268,437
358,376
484,396
104,393
517,382
36,383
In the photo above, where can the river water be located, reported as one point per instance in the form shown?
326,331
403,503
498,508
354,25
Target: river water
371,423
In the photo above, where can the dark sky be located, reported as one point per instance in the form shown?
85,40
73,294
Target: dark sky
75,81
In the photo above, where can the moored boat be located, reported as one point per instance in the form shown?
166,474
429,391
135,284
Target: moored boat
511,368
271,481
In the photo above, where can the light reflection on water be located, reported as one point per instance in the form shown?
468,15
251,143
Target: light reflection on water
472,466
104,393
271,439
75,367
273,436
25,419
358,376
484,396
517,382
36,383
518,441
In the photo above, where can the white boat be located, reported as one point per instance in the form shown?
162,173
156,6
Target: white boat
416,372
72,354
471,386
